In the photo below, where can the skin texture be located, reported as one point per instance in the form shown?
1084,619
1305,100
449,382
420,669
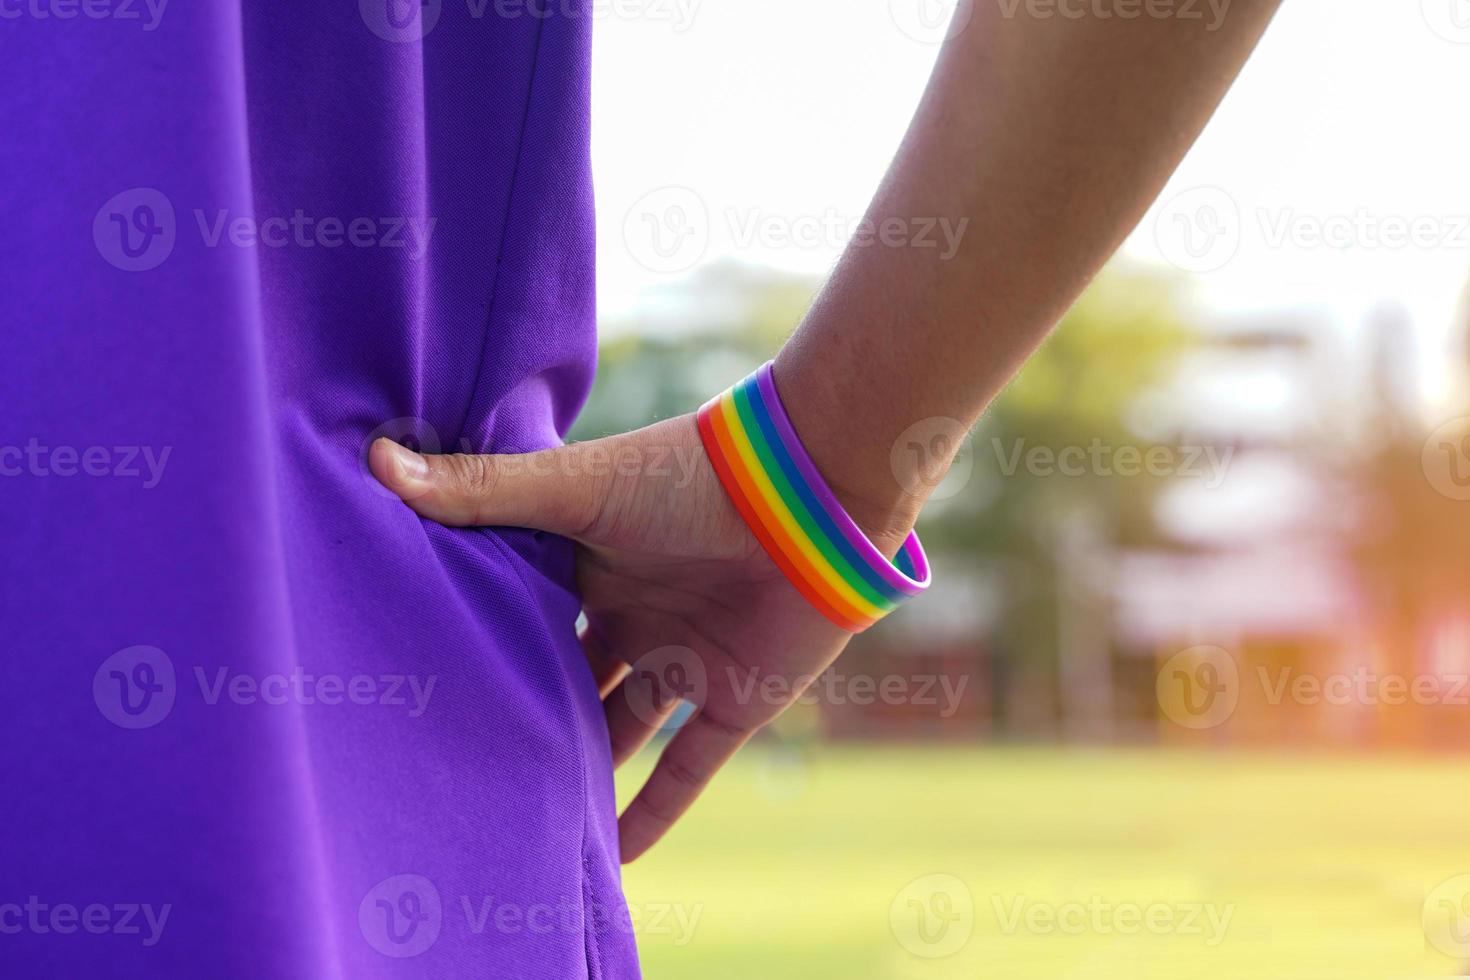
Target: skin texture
1051,135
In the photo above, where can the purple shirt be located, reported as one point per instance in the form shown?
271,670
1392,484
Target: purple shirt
261,720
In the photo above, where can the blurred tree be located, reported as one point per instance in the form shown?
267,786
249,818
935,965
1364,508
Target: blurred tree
1050,536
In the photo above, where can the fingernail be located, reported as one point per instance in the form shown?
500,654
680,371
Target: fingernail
408,466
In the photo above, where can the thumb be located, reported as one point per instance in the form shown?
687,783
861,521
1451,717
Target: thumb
547,490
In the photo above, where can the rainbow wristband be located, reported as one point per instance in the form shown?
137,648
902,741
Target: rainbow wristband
788,506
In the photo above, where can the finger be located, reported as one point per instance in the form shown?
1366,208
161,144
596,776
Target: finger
607,670
550,490
636,710
683,771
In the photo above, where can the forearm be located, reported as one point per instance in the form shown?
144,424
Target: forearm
1049,137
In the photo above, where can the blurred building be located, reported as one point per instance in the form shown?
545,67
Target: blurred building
1326,564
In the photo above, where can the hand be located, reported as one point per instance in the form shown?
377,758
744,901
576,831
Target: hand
663,559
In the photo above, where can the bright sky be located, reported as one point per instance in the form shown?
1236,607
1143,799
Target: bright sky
1346,123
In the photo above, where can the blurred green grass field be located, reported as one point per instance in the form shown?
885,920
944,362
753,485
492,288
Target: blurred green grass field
791,863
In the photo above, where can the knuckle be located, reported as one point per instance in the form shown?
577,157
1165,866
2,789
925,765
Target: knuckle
684,776
472,475
654,814
585,490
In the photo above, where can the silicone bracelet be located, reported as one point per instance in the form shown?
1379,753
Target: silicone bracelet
778,490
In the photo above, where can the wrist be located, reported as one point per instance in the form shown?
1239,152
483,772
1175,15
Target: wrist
791,508
851,450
